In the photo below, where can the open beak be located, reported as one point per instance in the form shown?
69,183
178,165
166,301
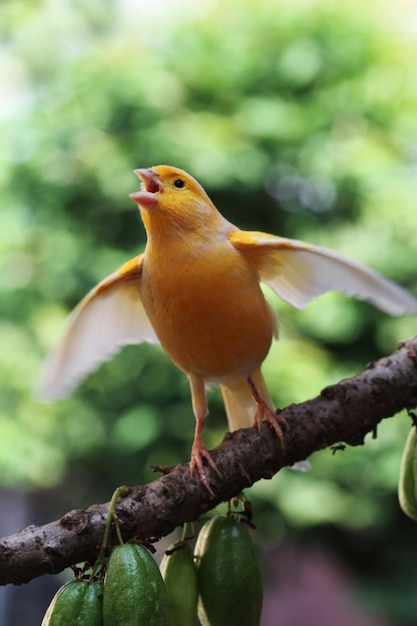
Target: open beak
151,185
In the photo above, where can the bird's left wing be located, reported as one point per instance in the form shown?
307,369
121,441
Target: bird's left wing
110,316
299,272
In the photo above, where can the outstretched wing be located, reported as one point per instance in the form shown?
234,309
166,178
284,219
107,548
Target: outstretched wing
299,272
109,317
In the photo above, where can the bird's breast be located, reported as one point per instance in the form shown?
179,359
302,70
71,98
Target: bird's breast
208,310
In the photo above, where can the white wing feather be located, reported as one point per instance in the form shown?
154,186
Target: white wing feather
103,322
299,272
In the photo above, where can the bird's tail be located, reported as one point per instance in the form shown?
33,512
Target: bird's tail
238,401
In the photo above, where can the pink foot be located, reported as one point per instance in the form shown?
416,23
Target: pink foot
265,413
198,453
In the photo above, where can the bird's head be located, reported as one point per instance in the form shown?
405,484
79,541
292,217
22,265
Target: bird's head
172,199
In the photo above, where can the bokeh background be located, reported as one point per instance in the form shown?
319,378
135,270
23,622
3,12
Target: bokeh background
299,118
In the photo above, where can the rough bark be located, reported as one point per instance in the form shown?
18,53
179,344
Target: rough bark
345,412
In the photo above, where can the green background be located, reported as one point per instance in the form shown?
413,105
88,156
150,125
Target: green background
299,119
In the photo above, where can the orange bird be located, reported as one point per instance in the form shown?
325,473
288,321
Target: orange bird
196,291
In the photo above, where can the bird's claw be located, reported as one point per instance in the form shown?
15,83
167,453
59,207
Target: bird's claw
264,413
198,453
274,418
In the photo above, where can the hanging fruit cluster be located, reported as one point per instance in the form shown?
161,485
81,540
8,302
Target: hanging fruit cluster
221,582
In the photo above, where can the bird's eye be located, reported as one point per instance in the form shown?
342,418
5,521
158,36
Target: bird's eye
179,183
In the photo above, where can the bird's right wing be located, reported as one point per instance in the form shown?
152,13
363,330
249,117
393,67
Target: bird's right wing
110,316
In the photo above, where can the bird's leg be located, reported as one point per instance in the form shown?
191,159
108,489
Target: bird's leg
198,449
198,452
265,412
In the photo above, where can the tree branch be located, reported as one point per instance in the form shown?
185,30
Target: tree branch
344,412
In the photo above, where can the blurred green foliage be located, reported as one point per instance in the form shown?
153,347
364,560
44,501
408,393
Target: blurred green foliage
299,119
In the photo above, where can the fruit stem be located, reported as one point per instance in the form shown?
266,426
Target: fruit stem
111,517
184,532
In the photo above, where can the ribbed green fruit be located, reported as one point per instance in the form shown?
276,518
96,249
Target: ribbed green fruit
407,486
179,573
229,574
134,592
78,603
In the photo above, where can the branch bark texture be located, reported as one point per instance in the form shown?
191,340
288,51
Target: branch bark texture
344,412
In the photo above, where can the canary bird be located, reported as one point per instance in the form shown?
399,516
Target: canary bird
196,291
